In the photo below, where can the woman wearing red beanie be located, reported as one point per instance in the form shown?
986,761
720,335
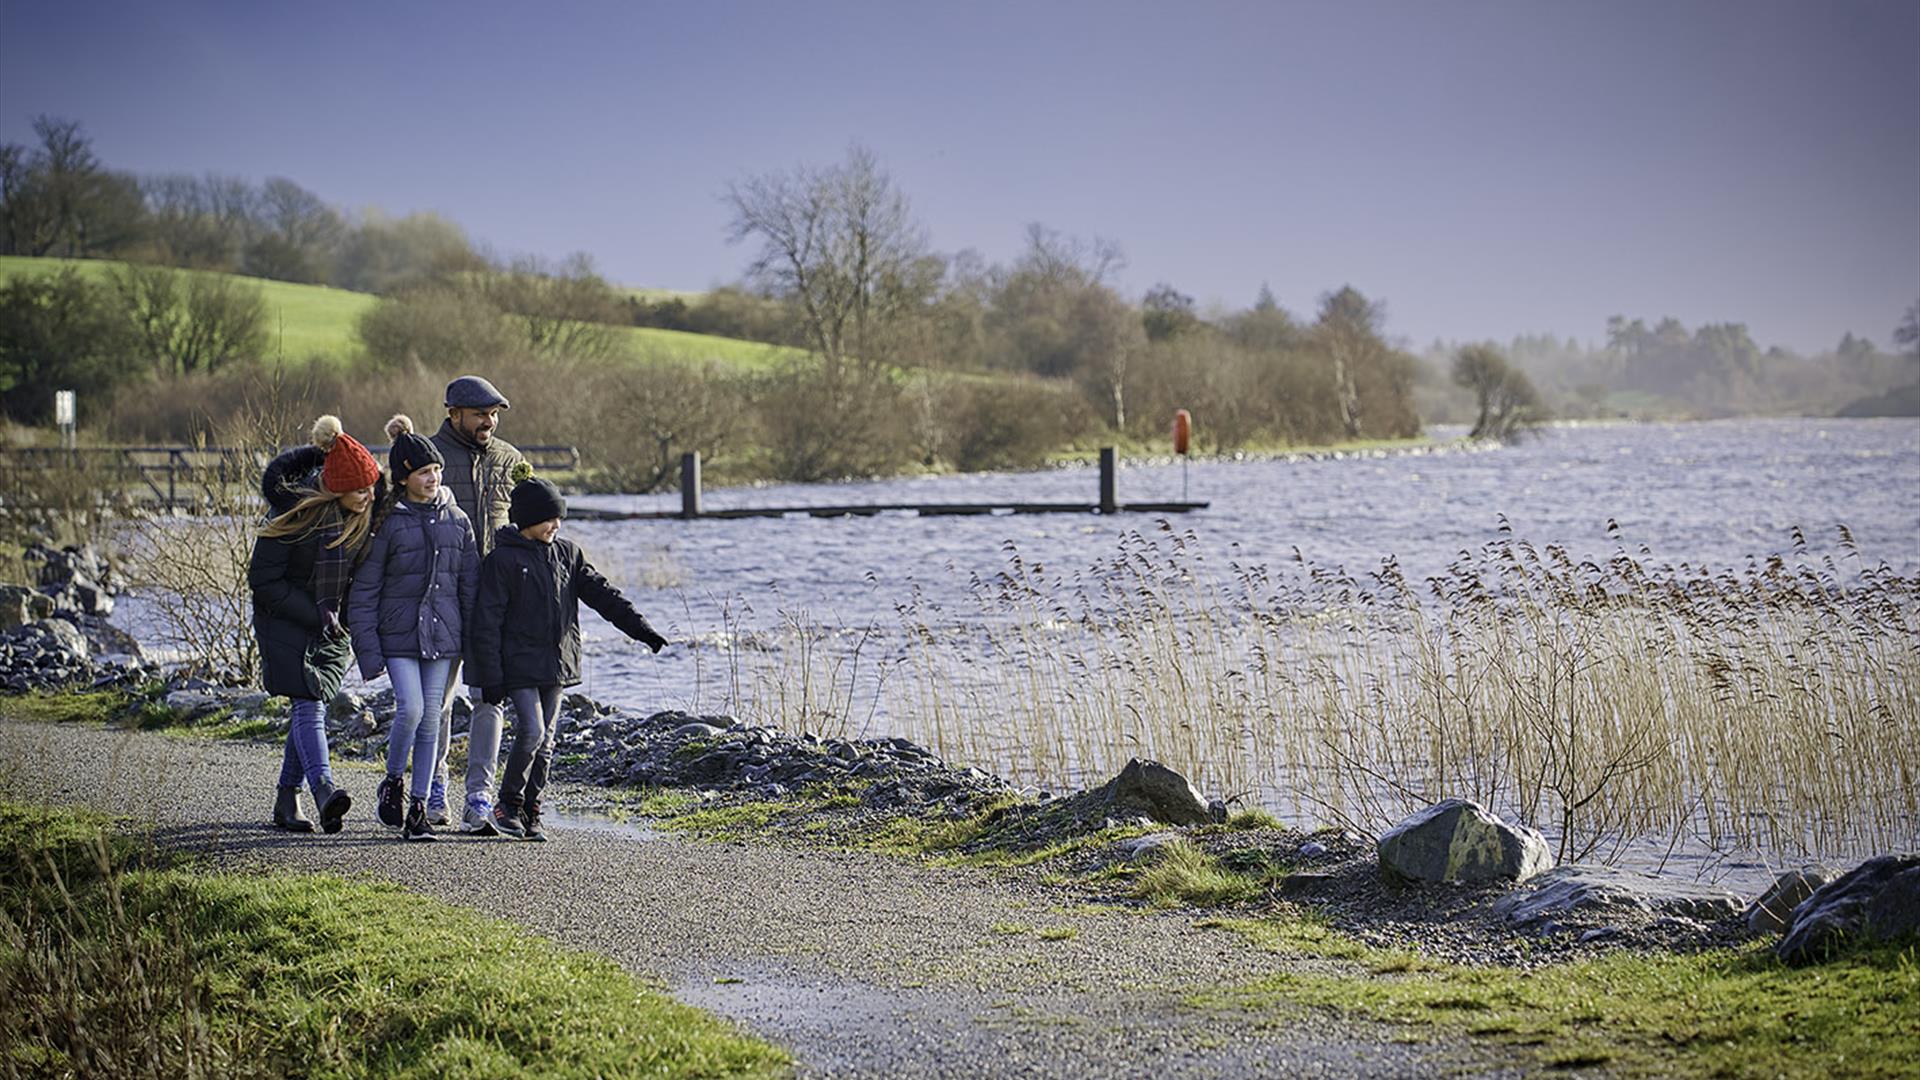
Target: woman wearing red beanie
322,498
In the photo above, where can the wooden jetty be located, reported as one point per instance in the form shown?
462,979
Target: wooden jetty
691,508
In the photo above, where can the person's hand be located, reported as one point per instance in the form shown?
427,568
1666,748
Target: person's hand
493,695
330,627
653,641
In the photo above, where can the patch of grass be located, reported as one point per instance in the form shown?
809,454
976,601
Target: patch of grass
114,969
1182,875
667,802
48,707
735,822
1725,1013
1059,933
1247,820
1010,929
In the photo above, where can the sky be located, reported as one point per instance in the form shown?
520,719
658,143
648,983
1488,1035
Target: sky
1485,168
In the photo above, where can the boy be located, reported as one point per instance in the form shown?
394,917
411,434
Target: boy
525,638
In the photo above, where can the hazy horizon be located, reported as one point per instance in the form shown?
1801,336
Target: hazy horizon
1487,169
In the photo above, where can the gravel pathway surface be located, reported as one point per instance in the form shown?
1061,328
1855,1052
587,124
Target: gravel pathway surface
863,965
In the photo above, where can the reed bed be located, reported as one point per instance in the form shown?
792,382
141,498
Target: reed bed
1769,709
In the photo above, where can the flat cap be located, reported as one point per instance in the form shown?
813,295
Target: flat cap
474,392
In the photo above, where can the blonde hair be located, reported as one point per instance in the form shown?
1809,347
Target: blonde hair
318,509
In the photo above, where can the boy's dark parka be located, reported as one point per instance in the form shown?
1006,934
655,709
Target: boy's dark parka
525,629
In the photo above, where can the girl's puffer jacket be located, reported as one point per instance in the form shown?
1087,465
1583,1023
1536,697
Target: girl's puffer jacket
413,594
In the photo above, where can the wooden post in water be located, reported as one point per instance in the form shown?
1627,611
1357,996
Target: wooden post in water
1108,503
690,484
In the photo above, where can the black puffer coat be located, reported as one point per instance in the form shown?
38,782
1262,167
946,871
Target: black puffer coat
480,477
296,657
525,629
412,595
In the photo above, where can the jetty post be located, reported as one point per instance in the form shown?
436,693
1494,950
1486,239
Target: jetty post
690,484
1108,502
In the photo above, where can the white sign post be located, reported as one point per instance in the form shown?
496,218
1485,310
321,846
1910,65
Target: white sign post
63,415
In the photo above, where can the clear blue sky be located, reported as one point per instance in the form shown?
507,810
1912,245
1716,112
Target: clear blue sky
1486,168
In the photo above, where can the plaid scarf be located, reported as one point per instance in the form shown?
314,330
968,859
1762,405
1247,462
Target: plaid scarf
332,567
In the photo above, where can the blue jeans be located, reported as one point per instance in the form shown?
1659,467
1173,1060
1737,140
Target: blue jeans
415,682
536,716
306,756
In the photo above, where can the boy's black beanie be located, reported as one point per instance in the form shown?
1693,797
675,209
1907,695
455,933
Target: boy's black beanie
533,501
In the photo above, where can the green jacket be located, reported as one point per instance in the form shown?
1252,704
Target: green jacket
480,479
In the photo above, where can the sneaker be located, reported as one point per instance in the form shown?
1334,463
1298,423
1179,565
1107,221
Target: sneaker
417,827
478,820
507,822
437,803
530,823
392,803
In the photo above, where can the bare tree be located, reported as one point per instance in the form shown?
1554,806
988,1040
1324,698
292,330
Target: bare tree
189,321
840,242
568,310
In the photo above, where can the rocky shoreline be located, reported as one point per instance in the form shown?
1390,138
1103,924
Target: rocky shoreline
1453,882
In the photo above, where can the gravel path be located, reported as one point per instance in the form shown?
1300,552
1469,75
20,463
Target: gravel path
863,965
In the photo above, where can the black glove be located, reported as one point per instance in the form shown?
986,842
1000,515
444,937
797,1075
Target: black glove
330,627
653,641
493,695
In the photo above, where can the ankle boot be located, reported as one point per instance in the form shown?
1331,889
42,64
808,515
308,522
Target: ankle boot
286,811
333,803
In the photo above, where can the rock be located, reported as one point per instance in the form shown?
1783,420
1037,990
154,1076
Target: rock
1773,910
1303,881
1458,840
1879,900
20,605
1312,849
1599,889
191,704
1599,933
696,730
66,636
1139,847
344,709
1151,790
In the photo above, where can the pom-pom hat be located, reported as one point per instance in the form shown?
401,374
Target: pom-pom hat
409,452
349,466
533,501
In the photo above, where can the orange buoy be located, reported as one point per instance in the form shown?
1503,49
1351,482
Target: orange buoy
1182,430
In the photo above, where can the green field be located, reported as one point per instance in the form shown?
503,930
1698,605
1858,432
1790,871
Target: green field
318,321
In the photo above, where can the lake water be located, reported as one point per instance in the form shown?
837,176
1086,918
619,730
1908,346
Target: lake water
1712,493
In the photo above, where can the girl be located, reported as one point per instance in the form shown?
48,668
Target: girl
525,638
410,599
322,498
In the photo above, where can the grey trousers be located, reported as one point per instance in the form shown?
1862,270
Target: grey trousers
483,740
536,716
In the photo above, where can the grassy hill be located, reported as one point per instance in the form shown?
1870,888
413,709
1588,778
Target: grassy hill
317,320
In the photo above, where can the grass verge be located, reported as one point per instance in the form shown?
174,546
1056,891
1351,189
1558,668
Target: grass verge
1723,1013
117,964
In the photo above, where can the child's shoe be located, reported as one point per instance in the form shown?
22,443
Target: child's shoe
437,803
478,820
333,803
392,803
530,823
506,822
417,826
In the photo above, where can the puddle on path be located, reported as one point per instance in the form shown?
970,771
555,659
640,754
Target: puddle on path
630,828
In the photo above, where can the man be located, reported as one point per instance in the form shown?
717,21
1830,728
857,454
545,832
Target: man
479,472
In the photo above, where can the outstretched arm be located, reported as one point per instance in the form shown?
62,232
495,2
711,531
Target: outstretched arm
601,596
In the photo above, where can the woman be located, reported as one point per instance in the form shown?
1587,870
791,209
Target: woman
322,498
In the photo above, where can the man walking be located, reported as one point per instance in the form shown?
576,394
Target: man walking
478,470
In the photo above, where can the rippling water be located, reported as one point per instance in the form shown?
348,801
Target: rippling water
1717,493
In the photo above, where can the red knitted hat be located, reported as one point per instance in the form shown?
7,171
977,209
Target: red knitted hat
349,466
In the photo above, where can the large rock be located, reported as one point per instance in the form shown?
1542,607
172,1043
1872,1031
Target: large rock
1879,900
1601,890
20,605
1458,840
1772,911
1151,790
